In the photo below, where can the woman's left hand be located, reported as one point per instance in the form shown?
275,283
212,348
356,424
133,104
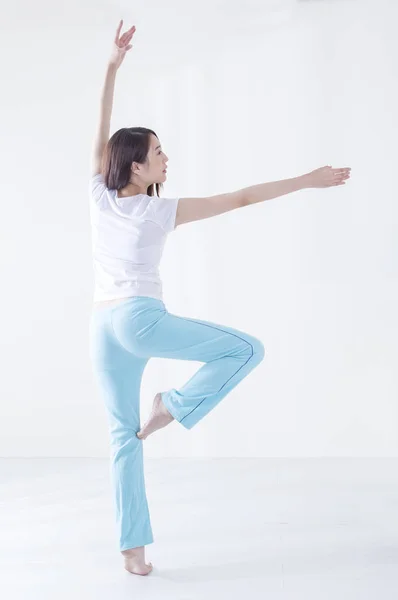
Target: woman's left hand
121,45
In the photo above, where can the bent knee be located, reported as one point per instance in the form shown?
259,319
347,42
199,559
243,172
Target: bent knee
259,350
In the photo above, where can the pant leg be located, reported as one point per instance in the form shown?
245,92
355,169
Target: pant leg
118,374
145,327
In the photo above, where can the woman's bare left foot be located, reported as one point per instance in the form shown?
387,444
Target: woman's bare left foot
134,561
159,417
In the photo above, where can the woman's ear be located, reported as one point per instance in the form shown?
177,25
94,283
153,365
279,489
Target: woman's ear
135,168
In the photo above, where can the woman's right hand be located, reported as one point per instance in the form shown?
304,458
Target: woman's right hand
327,177
121,45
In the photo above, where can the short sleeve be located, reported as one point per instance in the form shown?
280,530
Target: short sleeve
97,188
163,211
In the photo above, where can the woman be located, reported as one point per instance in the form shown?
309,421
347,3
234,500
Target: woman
130,323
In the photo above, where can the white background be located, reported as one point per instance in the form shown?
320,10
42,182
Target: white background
238,93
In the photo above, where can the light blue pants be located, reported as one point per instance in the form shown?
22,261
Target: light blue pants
123,337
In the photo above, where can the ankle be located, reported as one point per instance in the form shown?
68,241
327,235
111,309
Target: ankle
132,552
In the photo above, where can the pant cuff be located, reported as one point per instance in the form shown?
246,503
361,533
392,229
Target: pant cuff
170,406
137,544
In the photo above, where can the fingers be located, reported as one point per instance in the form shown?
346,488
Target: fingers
126,37
337,173
130,32
340,175
337,170
118,30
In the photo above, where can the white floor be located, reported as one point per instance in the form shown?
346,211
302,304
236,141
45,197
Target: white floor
223,528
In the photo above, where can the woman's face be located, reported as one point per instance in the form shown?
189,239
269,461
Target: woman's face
154,170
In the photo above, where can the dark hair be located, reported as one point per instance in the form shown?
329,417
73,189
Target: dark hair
127,145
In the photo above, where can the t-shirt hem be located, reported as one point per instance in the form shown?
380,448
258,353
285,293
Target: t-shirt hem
104,297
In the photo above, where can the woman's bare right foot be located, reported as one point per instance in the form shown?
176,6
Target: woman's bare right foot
134,561
159,417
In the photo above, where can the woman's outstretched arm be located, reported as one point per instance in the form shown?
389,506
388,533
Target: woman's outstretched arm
320,178
194,209
120,46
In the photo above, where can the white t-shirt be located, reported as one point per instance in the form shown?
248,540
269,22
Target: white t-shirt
128,237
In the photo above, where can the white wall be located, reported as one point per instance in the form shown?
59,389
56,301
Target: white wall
239,93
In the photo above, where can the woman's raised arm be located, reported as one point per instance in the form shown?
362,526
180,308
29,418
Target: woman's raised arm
121,45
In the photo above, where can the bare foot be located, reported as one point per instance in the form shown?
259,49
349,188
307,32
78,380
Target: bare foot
159,417
134,561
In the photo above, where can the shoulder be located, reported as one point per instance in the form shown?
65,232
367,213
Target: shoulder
96,182
163,211
97,188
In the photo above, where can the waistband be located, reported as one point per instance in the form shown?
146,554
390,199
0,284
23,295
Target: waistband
137,301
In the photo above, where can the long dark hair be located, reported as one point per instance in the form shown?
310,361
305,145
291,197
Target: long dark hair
127,145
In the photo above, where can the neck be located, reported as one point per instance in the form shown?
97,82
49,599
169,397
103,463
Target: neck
132,190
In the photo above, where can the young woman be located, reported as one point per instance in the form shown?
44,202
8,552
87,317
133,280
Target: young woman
130,323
